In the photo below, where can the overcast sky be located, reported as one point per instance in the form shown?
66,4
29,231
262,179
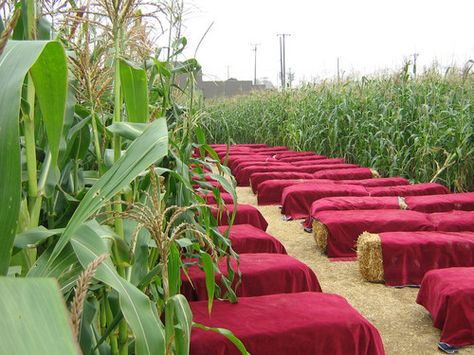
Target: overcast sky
367,35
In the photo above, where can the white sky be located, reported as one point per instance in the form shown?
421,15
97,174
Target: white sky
367,35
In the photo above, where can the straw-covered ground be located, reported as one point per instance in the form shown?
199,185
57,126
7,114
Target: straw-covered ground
405,326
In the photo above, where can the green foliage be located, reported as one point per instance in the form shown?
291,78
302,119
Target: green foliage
422,129
34,318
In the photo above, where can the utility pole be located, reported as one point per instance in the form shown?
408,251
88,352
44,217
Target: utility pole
282,37
254,49
228,73
415,56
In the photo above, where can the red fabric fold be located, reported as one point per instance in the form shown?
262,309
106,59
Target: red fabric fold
245,214
257,178
292,153
408,256
262,274
448,294
243,178
344,174
246,238
344,203
453,221
441,203
286,324
409,190
345,226
293,159
296,200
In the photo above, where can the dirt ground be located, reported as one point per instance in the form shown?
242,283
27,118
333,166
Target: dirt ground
405,326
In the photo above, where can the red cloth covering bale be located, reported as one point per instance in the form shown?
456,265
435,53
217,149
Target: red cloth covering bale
319,162
262,274
344,174
270,192
291,153
246,238
408,256
409,190
296,200
268,162
285,324
376,182
441,203
257,178
448,294
243,178
292,159
234,160
211,200
271,150
347,203
453,221
344,227
245,214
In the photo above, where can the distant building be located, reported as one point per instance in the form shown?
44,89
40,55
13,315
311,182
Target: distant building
227,88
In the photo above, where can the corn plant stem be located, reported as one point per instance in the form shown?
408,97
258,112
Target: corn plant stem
110,318
123,327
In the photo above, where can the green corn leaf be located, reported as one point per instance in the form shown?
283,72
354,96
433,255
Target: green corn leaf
135,92
34,318
128,130
134,304
47,62
183,323
228,334
208,267
151,146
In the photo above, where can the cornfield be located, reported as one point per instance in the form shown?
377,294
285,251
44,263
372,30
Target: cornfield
419,128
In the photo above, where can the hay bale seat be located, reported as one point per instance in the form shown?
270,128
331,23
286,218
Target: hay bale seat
246,238
262,274
244,175
245,214
336,232
345,203
315,322
270,192
442,203
448,295
403,258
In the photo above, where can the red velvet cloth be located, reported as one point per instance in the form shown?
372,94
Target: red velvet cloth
448,294
345,226
408,256
344,174
286,324
453,221
246,238
327,161
211,200
270,192
296,200
292,153
441,203
262,274
344,203
292,159
234,160
243,178
319,162
245,214
268,162
271,150
409,190
376,182
257,178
